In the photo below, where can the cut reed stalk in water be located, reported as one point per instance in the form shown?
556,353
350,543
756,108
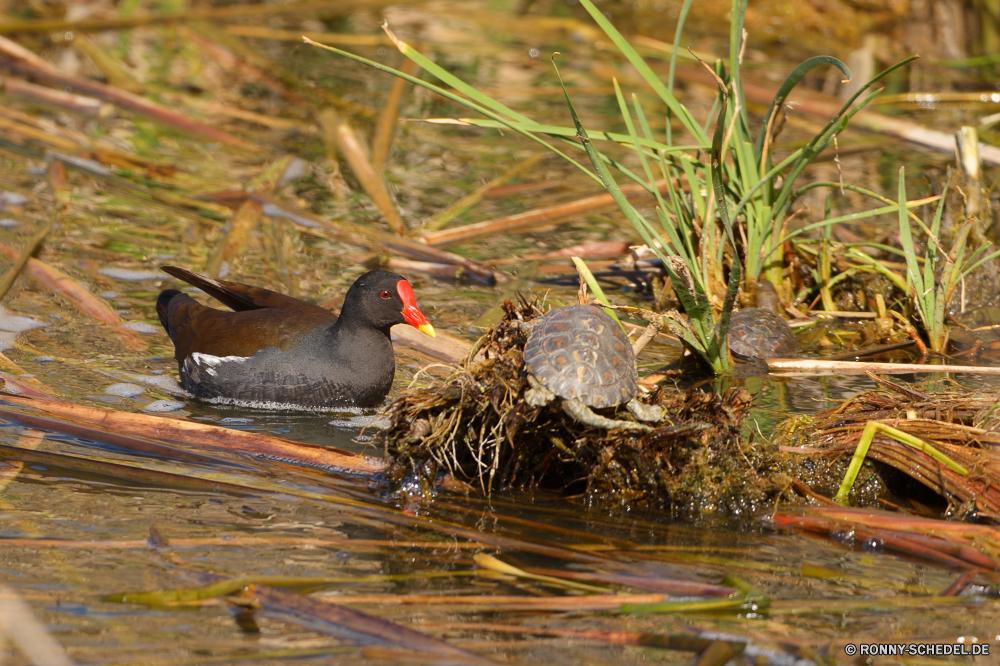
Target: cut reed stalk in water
29,387
789,366
385,126
360,235
339,38
904,534
67,101
39,135
595,250
77,294
441,219
115,74
529,220
332,618
584,603
332,7
174,430
116,439
12,273
24,61
350,146
247,217
681,642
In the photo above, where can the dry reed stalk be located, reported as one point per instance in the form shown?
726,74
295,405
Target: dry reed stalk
135,163
430,268
20,626
531,219
647,583
12,273
27,62
592,603
9,26
845,315
360,235
356,545
30,439
986,534
976,545
334,38
115,73
79,138
40,390
328,617
247,217
680,642
87,303
442,218
350,146
445,347
241,225
595,250
87,106
218,109
791,366
925,429
39,135
12,386
144,425
386,124
232,53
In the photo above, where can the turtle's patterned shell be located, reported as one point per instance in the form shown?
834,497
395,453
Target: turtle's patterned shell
757,333
580,353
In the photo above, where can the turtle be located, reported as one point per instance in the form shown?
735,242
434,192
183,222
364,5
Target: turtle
580,356
760,332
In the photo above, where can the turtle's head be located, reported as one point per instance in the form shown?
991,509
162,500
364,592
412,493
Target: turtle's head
766,297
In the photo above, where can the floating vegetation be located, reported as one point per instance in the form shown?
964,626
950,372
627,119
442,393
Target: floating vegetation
477,427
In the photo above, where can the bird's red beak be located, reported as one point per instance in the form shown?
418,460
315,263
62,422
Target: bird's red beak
413,316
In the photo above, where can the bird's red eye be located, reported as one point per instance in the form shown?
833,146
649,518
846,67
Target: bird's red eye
385,294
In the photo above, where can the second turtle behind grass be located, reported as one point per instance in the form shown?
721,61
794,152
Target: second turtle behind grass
760,332
580,356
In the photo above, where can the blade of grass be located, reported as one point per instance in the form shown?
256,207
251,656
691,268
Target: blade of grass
865,442
646,72
595,287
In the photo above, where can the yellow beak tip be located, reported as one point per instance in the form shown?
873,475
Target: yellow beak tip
428,329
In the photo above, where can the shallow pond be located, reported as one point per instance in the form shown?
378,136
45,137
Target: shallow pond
73,536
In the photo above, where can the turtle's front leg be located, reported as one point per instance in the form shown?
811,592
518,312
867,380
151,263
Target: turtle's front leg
584,414
537,395
644,412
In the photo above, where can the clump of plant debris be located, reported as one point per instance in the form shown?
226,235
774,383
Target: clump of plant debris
477,427
929,449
